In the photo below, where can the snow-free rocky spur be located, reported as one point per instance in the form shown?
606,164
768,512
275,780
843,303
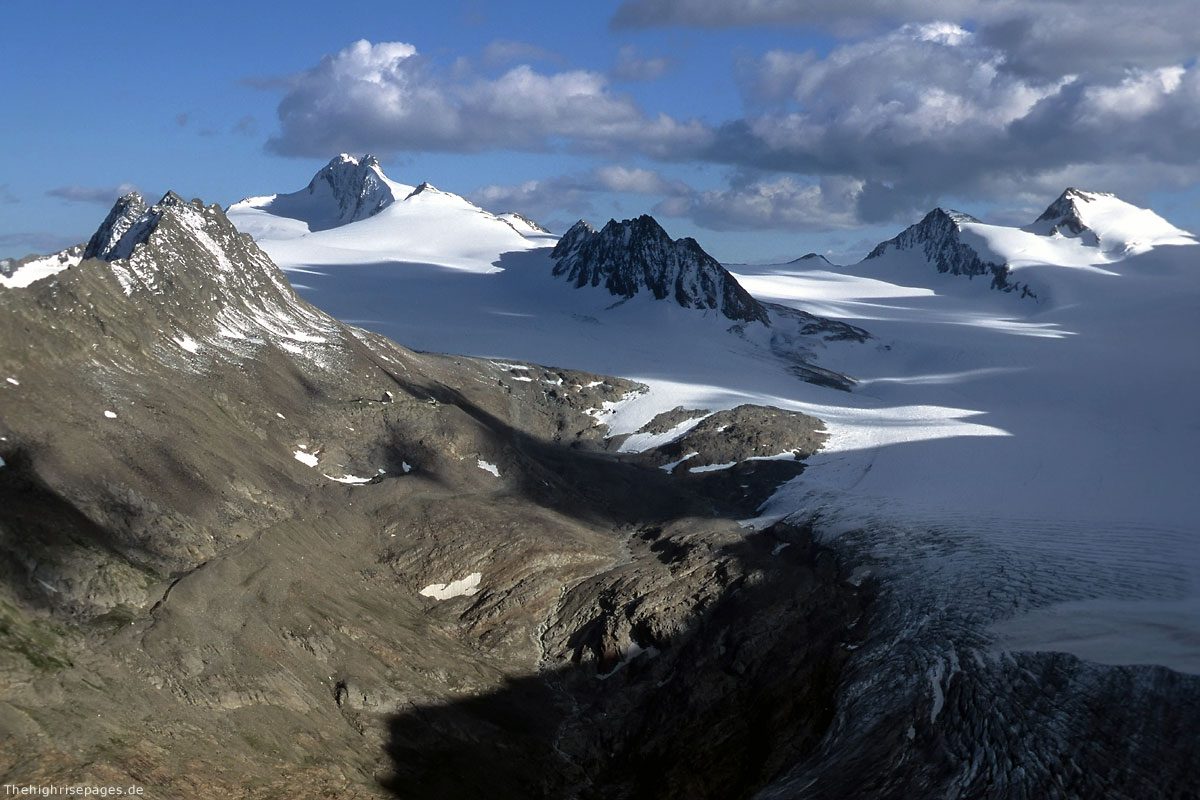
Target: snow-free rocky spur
866,531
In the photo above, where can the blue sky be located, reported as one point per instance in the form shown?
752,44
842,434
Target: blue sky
764,129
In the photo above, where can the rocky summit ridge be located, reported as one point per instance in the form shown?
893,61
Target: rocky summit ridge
637,255
938,236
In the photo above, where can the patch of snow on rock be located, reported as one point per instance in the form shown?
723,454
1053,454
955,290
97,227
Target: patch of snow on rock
463,587
713,467
308,459
351,480
674,464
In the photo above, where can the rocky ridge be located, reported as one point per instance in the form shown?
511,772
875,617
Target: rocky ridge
938,237
1064,216
637,255
345,190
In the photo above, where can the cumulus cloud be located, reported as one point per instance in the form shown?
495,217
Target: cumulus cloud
385,98
751,202
1050,38
877,129
777,203
929,110
102,195
573,193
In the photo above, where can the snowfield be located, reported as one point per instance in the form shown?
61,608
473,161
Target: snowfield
1025,466
423,223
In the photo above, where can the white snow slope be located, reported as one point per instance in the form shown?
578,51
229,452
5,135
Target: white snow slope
422,224
38,268
1031,464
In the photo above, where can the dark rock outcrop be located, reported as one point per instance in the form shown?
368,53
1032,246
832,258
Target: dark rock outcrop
1064,216
345,190
637,255
938,237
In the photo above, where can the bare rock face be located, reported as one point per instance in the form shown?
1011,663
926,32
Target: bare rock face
1064,215
637,255
938,237
106,242
345,190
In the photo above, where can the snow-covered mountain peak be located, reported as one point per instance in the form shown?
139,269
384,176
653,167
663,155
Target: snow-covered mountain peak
637,254
345,190
352,213
1105,221
190,265
937,228
174,242
938,240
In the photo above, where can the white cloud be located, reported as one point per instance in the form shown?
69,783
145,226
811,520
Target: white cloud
1048,38
930,110
573,194
780,203
385,98
874,130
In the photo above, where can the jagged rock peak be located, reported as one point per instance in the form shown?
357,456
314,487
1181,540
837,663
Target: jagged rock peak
938,236
1068,201
635,254
105,242
1065,214
938,226
358,187
131,223
184,249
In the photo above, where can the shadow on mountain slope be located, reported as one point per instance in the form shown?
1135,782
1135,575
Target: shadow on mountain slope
702,672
